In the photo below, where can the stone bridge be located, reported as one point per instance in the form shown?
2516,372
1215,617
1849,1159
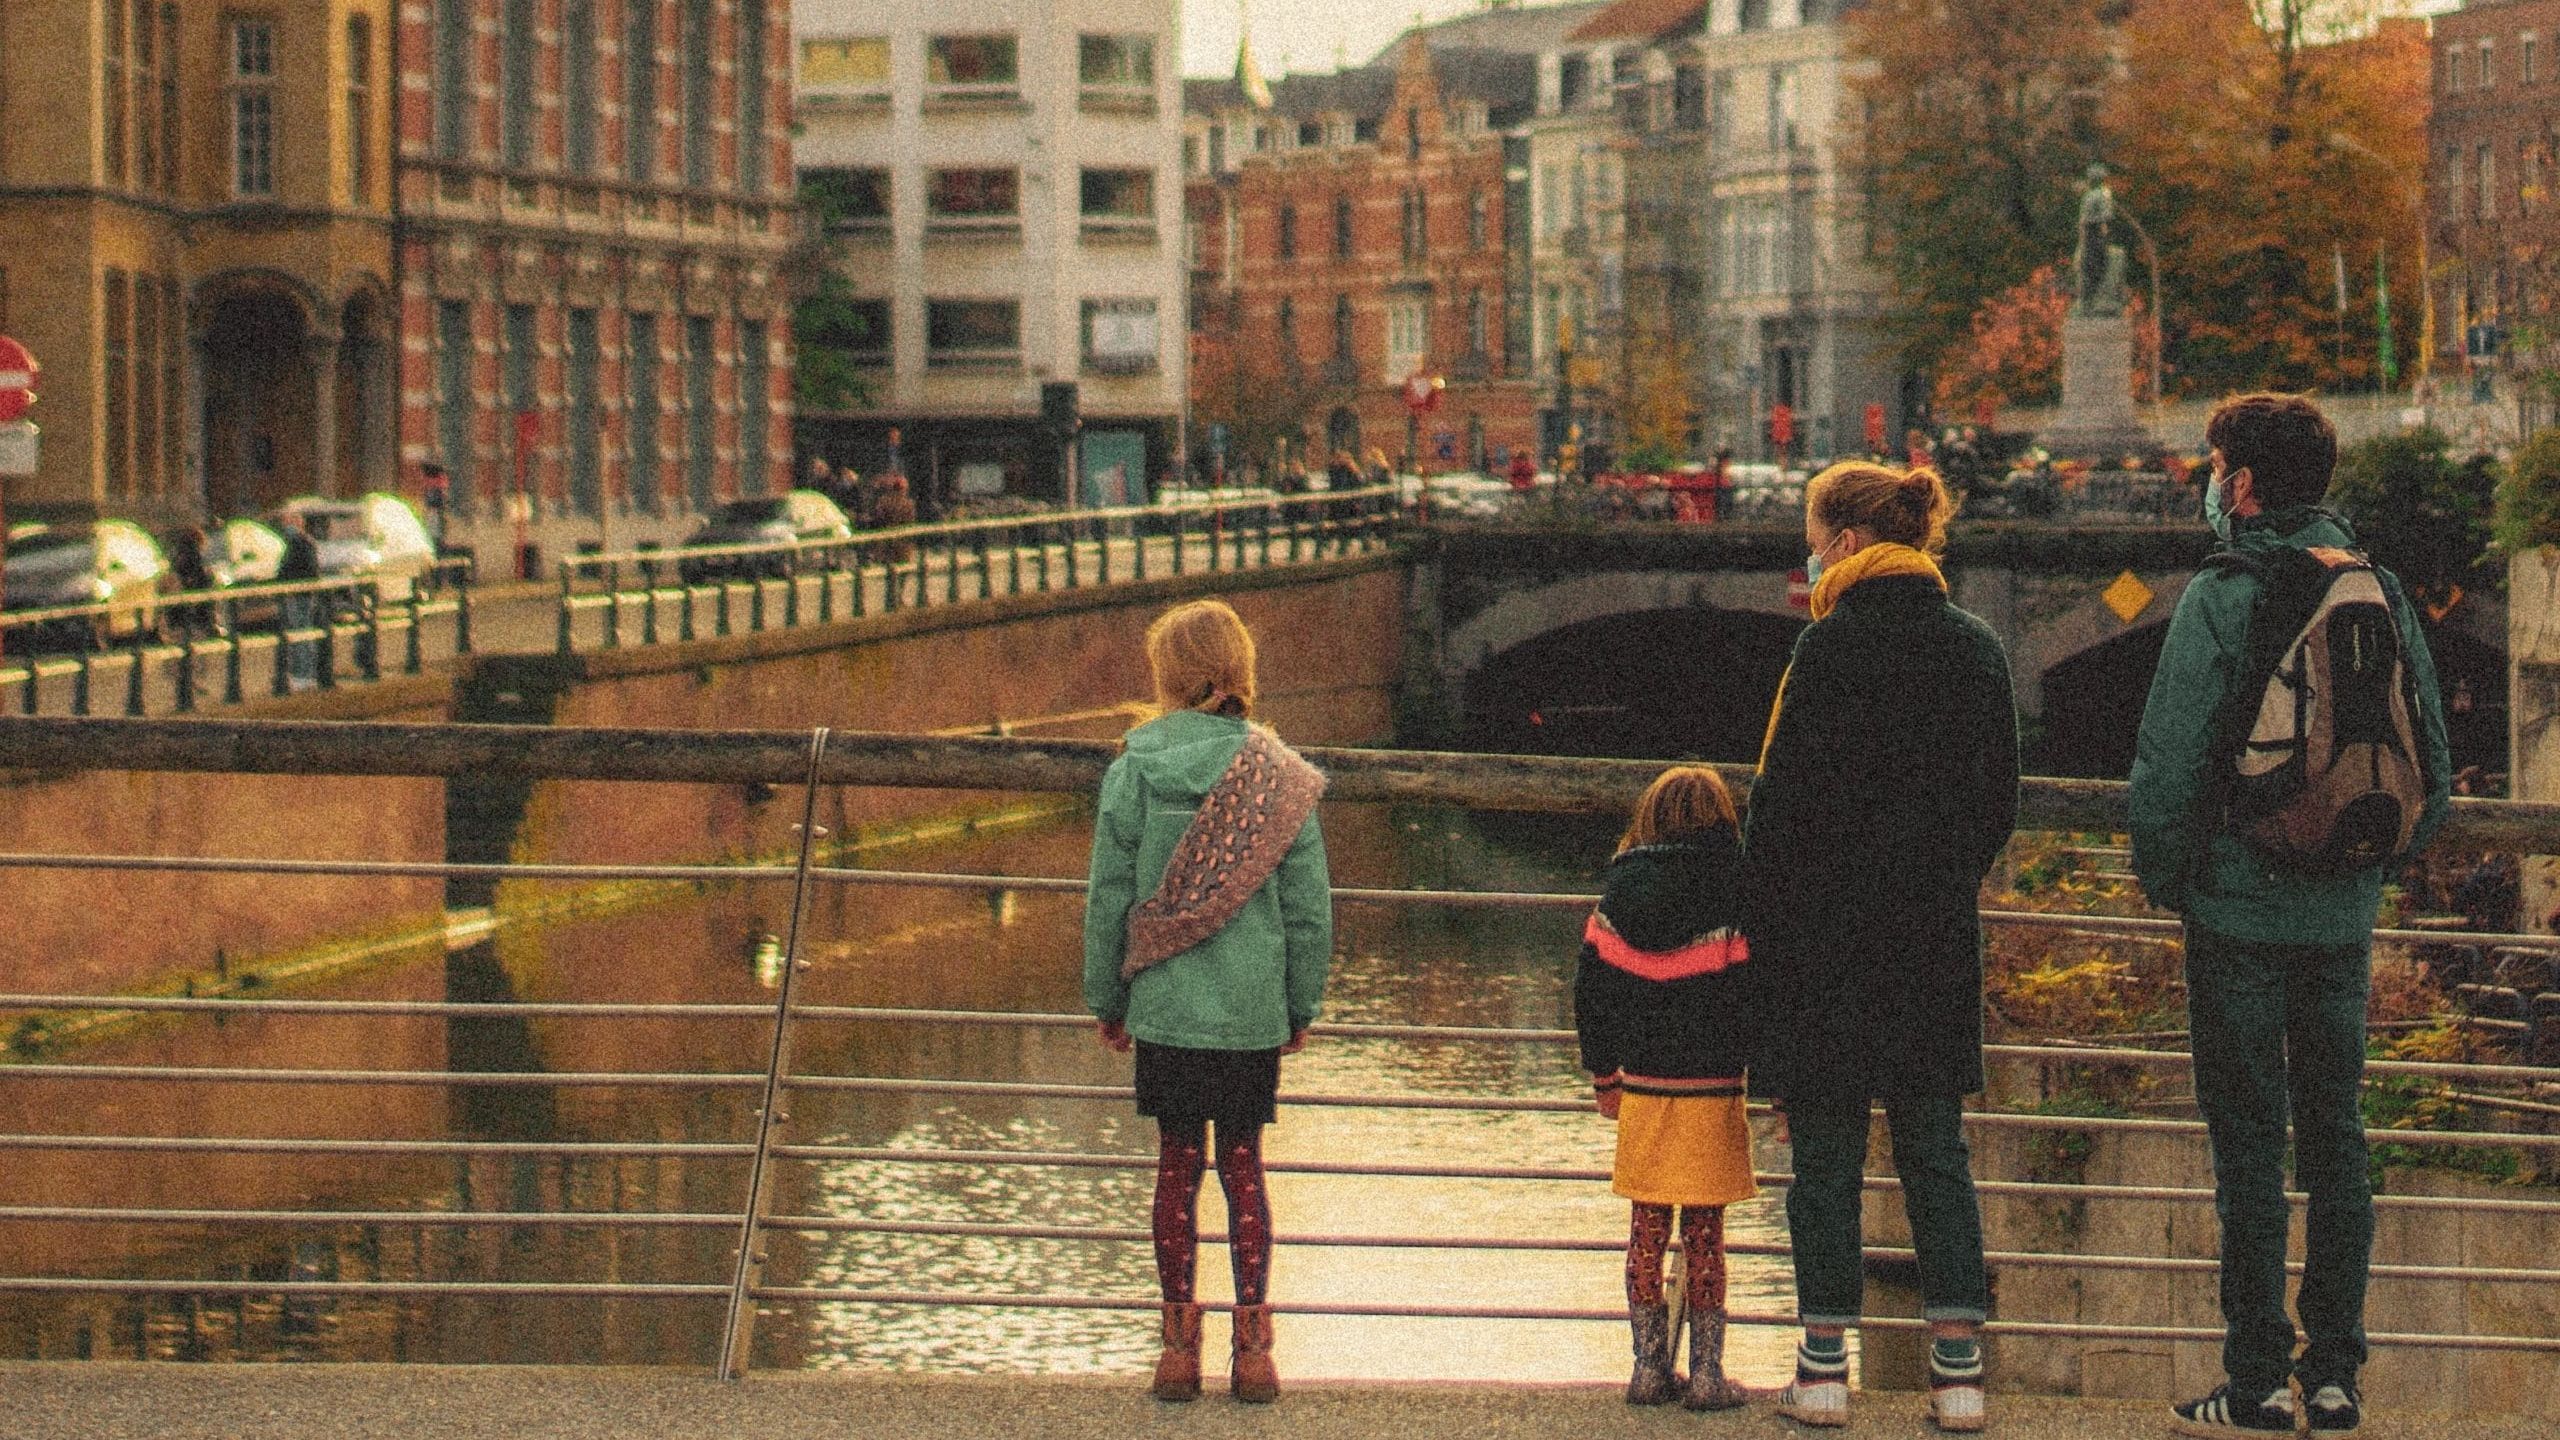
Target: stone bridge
1574,632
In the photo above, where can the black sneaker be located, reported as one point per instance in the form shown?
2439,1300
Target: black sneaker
2223,1415
2335,1407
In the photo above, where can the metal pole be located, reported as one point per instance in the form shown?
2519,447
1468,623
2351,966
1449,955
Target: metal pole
738,1335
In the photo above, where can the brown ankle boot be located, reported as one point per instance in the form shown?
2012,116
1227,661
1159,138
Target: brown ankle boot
1178,1368
1707,1388
1652,1383
1256,1379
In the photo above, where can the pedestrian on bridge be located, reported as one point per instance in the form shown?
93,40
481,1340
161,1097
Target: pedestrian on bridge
1218,970
2290,665
1664,1019
1888,785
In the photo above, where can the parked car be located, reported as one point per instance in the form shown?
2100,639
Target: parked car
800,515
377,535
102,562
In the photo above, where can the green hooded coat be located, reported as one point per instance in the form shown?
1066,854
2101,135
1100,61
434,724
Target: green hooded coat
2186,861
1254,983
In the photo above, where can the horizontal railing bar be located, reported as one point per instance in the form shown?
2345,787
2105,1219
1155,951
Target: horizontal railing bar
2022,1259
530,1290
965,762
597,1219
2130,925
236,1075
2052,1328
1081,1160
1474,1034
294,1145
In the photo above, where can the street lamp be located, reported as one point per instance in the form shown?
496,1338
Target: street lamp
2150,262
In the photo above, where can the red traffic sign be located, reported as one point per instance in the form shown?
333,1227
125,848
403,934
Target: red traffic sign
1782,424
1422,392
18,372
1799,591
1875,426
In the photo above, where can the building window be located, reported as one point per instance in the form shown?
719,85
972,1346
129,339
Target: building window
1121,67
973,195
1689,98
1417,227
359,108
1120,336
2525,74
640,91
1342,350
515,86
119,381
1288,329
454,400
1755,14
2487,160
845,199
1342,227
970,63
1479,337
701,412
1118,195
2453,185
516,380
973,332
755,409
2488,71
1408,337
1288,231
753,161
578,86
856,63
640,412
453,90
116,81
699,137
253,108
857,330
586,476
1479,212
1782,108
1413,132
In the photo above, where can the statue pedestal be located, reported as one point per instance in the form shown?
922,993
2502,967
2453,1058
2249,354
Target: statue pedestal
2098,421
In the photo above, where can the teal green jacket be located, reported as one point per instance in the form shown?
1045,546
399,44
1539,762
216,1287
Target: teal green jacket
2180,853
1248,987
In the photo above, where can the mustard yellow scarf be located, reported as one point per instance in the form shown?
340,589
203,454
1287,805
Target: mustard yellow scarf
1869,563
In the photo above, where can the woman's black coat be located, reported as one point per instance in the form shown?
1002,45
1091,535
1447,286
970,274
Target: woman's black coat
1890,785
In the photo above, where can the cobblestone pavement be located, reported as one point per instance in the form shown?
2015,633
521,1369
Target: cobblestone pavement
125,1401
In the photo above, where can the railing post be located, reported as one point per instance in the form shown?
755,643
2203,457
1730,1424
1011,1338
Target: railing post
684,617
613,605
827,587
861,597
369,660
416,659
1074,539
186,677
1040,532
791,592
231,694
986,568
567,579
462,611
80,681
648,603
1013,559
328,645
1138,545
738,1336
755,604
133,669
1102,539
720,613
1181,532
890,580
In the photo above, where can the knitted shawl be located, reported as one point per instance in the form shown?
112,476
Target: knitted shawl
1244,828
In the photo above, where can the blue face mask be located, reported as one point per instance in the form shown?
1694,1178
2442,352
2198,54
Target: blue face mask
2216,511
1813,568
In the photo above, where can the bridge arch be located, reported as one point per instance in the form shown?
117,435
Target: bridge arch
1667,682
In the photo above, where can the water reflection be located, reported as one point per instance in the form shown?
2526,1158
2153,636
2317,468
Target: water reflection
898,947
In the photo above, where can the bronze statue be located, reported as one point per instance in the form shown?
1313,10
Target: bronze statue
2097,267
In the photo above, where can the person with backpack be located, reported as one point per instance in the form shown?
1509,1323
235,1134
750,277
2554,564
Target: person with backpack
2292,753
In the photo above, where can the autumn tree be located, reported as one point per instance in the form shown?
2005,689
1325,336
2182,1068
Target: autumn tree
1975,119
2012,355
2265,145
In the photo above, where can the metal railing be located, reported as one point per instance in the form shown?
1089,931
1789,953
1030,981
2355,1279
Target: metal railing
715,590
178,651
823,759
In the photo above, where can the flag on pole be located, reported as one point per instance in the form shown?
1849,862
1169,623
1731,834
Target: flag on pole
2338,258
2387,365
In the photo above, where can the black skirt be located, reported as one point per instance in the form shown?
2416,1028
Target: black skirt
1234,1088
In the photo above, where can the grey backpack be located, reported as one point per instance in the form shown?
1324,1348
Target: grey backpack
2323,768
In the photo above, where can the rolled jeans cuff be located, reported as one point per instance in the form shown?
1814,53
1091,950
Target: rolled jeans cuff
1973,1314
1839,1322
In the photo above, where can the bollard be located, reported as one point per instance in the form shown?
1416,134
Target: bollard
186,676
860,596
791,591
951,576
1040,534
648,602
1013,560
80,685
1074,544
986,568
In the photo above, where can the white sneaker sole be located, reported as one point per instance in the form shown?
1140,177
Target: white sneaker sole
1824,1406
1958,1409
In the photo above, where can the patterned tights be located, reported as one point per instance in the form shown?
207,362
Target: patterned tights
1649,1239
1182,1153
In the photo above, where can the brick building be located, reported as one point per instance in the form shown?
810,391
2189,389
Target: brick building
195,217
590,256
2492,138
1348,232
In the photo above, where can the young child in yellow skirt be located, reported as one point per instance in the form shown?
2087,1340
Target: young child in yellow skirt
1658,1003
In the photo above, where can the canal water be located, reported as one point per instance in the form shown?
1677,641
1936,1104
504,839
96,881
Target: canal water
1015,951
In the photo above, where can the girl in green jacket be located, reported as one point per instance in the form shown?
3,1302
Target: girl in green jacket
1208,932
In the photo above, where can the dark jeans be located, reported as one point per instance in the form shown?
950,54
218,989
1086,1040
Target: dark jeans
1937,1193
2280,1028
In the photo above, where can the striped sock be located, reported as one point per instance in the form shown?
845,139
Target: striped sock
1822,1357
1955,1362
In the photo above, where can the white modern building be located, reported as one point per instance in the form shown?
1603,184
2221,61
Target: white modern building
1000,186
